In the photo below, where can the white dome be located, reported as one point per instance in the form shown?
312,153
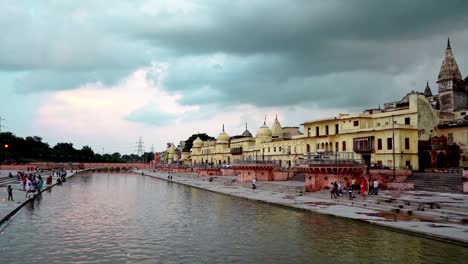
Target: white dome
223,137
263,131
197,143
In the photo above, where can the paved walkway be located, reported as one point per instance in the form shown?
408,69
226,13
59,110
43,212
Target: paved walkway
440,216
19,196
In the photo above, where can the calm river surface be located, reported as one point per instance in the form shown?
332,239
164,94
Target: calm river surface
129,218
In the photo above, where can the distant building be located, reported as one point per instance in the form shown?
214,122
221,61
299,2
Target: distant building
420,131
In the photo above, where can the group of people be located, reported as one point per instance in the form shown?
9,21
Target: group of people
370,187
31,181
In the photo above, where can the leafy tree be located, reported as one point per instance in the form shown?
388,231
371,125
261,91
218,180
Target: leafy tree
189,141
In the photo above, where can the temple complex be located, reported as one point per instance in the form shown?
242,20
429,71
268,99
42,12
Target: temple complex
422,131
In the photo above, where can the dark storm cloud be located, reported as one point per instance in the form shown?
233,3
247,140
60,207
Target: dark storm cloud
261,52
287,52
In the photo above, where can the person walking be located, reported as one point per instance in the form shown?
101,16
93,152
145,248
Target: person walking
10,193
340,189
254,183
376,187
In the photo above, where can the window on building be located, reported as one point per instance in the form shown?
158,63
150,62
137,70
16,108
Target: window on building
308,132
343,147
326,130
450,138
378,124
407,121
318,145
389,143
336,129
407,145
295,150
356,123
323,145
279,149
274,149
308,148
336,146
263,150
379,144
317,130
268,149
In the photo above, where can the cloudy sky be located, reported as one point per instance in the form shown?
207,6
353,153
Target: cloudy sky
103,73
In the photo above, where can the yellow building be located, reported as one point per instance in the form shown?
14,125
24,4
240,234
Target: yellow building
404,134
381,137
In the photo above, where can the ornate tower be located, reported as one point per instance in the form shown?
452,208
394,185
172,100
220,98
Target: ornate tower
452,95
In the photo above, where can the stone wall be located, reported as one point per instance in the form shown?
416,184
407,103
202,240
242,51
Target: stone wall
75,166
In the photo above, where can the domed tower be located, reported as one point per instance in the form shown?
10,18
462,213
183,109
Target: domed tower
276,129
223,137
263,134
197,143
246,133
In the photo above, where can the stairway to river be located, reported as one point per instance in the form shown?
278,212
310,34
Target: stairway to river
437,182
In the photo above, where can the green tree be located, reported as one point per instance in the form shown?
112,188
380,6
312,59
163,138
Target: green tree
189,141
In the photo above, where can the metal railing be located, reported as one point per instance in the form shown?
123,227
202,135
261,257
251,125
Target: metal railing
265,162
330,158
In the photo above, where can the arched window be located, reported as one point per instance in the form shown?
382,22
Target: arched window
308,148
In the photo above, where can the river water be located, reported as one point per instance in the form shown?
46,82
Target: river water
129,218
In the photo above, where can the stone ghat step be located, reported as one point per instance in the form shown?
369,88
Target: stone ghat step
434,180
441,214
438,188
453,208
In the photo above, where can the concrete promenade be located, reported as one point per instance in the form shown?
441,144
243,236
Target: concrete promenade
439,216
9,208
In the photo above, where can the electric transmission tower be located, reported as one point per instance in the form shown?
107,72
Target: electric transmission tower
140,149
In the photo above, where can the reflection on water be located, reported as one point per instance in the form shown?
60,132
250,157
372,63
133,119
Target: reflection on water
128,218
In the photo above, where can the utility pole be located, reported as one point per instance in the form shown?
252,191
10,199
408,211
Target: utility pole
394,145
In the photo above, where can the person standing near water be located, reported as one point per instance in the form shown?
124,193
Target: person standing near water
254,183
10,193
363,189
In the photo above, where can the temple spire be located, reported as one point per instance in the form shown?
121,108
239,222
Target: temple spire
427,90
264,121
223,127
245,125
449,69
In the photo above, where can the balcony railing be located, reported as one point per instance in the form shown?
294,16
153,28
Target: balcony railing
256,162
329,158
363,144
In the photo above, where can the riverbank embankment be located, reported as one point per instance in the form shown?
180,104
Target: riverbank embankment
9,208
439,216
